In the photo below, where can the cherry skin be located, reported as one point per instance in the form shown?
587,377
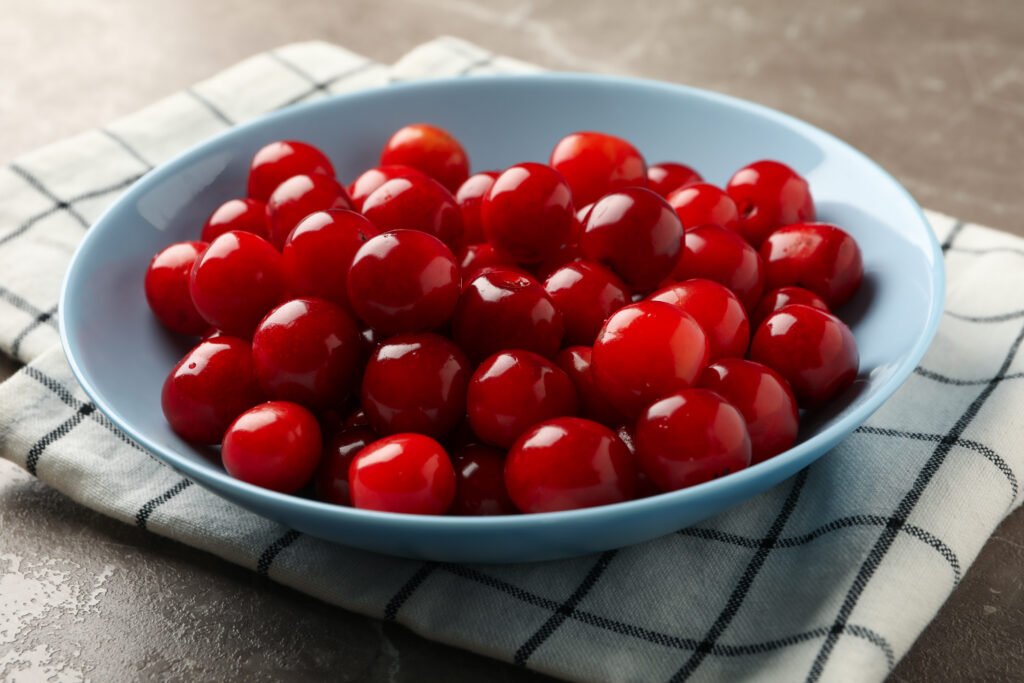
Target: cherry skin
506,309
416,203
636,234
363,186
480,477
416,383
470,197
299,196
408,473
575,362
566,464
276,445
784,296
718,254
208,388
475,257
764,399
331,482
279,161
513,390
717,310
236,281
167,288
813,350
816,256
768,195
690,437
666,177
595,164
319,251
645,351
431,150
357,418
307,351
586,294
403,281
528,212
247,215
703,204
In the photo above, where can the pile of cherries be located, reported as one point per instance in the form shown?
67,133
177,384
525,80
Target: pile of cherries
546,337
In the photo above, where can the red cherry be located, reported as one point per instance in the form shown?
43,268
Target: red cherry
299,196
513,390
645,488
704,204
167,288
403,281
635,233
416,203
769,194
475,257
645,351
718,254
319,251
416,383
236,281
429,149
276,445
307,351
356,419
595,164
363,186
279,161
470,197
666,177
408,473
331,482
690,437
528,212
784,296
717,310
575,361
586,294
817,256
506,309
813,350
480,477
566,464
763,397
247,215
208,388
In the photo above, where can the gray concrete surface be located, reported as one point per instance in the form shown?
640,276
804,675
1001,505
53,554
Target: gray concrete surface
932,89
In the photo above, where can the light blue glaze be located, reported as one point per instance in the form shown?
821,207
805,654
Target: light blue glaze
121,356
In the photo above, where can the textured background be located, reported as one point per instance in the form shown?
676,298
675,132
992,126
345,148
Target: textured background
934,90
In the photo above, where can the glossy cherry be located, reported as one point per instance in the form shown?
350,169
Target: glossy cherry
363,186
769,194
528,212
566,464
717,310
416,383
703,204
208,388
718,254
279,161
666,177
247,215
236,281
636,234
513,390
299,196
408,473
784,296
690,437
645,351
764,399
331,481
429,149
816,256
813,350
167,288
480,482
586,294
470,197
506,309
276,445
575,362
403,281
595,164
416,203
475,257
644,486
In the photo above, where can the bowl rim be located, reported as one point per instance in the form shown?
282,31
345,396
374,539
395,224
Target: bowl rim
802,454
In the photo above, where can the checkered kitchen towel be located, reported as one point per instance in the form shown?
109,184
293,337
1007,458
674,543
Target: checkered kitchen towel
830,576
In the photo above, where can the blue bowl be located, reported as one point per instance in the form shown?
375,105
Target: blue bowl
121,356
